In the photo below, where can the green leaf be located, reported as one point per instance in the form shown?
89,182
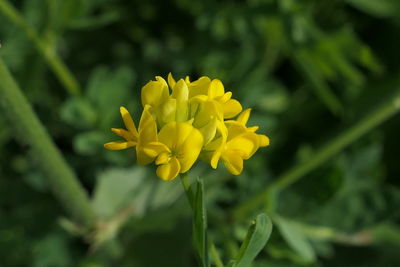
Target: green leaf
89,143
256,238
115,188
79,113
107,87
295,238
379,8
200,224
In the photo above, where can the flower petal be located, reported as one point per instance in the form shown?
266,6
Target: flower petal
128,121
124,134
231,108
263,140
199,87
153,149
155,92
208,131
244,116
169,171
142,157
119,145
216,89
163,158
233,162
147,127
174,134
189,151
244,145
171,80
180,91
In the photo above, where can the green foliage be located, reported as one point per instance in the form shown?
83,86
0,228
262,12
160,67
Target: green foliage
309,69
256,238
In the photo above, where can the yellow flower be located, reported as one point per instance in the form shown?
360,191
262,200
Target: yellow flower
184,120
145,140
184,143
241,143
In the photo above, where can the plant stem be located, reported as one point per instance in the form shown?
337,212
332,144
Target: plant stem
62,72
190,196
188,190
215,256
30,131
389,108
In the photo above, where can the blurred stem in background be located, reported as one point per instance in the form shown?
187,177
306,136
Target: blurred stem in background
62,72
387,109
29,130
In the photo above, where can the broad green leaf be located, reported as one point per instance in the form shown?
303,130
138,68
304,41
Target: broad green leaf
256,238
200,224
295,238
115,188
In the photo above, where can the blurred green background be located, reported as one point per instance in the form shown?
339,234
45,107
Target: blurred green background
309,69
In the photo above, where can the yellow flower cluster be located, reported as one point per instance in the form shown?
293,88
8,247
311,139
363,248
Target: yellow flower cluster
183,121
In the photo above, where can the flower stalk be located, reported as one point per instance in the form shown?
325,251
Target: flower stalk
30,131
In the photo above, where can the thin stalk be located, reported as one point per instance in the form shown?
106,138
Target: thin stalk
388,109
215,256
58,67
64,183
190,196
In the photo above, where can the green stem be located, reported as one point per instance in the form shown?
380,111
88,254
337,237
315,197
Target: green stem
215,256
30,131
62,72
388,109
191,198
188,190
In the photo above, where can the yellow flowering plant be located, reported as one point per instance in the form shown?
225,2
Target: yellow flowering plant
183,121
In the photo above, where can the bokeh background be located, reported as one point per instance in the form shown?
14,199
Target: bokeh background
309,69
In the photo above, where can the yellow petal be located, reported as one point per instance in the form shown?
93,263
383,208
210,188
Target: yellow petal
189,151
181,94
263,140
167,112
124,134
206,112
225,97
174,134
142,157
231,108
187,80
199,87
119,145
216,89
244,116
244,145
208,131
155,92
233,162
253,129
215,148
153,149
180,91
171,80
129,124
163,158
235,129
169,171
147,127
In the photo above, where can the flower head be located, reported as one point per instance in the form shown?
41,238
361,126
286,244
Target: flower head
183,121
